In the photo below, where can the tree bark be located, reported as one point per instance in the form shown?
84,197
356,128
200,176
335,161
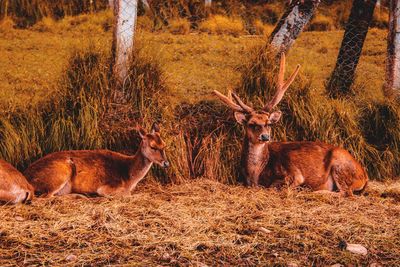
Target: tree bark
208,3
125,12
146,5
292,23
356,31
392,85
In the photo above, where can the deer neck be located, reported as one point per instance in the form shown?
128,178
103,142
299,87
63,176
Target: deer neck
140,166
254,159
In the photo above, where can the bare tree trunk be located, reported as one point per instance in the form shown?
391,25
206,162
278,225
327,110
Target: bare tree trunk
292,23
353,41
208,3
111,3
146,5
392,86
125,12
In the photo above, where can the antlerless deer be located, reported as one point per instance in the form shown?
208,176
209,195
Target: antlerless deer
316,165
101,172
14,188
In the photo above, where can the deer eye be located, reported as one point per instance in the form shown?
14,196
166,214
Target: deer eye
255,127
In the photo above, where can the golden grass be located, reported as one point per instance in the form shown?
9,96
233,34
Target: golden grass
219,24
203,223
179,26
192,222
321,22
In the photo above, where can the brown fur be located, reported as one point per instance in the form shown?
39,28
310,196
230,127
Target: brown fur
315,165
14,188
100,172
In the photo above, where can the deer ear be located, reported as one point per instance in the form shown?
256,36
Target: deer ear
142,132
240,118
155,128
275,116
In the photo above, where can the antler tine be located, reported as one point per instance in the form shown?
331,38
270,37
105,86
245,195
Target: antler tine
282,85
246,108
229,102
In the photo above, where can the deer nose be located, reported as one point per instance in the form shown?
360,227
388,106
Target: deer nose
165,164
264,137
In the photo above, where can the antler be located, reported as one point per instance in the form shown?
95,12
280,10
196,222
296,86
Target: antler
245,107
282,85
239,107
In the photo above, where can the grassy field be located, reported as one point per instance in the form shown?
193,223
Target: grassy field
201,222
33,60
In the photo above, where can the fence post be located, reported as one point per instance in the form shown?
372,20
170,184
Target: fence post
125,12
392,85
356,31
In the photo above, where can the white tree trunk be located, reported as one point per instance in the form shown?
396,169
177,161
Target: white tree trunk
292,23
208,3
392,86
125,12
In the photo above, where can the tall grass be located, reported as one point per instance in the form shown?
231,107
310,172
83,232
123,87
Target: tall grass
28,12
82,116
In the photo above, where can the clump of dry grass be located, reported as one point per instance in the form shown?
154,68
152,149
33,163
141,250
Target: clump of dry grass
6,25
219,24
179,26
321,23
202,222
26,12
212,141
46,24
262,29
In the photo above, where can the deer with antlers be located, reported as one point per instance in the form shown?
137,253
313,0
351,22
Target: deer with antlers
14,188
319,166
99,172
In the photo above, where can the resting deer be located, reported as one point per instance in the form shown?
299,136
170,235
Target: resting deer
14,188
315,165
100,172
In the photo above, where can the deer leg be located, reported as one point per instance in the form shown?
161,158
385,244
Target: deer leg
108,191
12,198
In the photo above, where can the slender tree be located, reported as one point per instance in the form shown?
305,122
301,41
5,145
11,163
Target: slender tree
296,17
125,12
356,31
208,3
392,86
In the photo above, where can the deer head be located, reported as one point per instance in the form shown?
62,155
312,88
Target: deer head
152,146
258,123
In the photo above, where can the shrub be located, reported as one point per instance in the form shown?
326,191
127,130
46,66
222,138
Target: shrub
179,26
45,25
222,25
